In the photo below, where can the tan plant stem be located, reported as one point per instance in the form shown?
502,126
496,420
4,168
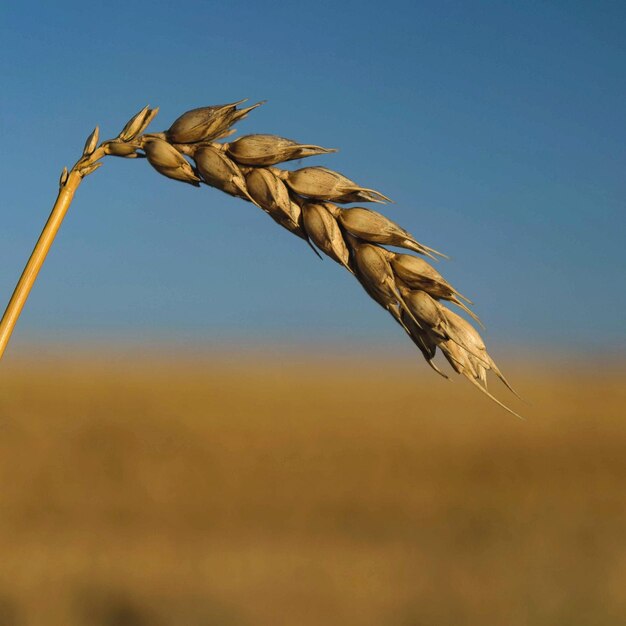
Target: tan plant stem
38,256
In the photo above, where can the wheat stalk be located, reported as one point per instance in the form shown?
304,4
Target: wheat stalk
305,202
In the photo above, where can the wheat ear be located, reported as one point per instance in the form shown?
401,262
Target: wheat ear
305,202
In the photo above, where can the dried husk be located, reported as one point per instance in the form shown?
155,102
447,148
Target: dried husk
376,228
325,184
374,272
206,123
200,124
240,114
217,170
325,233
423,339
434,318
169,162
333,209
120,149
137,124
292,221
149,116
427,311
92,142
462,361
472,368
268,191
465,334
64,176
270,194
418,274
260,150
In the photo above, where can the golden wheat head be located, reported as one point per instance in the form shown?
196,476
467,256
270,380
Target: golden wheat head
306,203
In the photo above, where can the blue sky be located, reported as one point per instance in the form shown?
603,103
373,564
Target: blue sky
497,128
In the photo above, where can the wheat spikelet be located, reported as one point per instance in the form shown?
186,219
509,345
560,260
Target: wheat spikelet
217,170
324,184
304,202
324,231
168,161
270,149
373,227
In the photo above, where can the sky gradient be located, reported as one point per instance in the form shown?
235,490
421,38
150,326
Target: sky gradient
497,128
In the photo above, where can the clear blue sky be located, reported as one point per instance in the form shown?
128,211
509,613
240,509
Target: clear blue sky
498,129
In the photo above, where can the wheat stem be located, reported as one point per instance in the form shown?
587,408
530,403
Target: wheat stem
38,256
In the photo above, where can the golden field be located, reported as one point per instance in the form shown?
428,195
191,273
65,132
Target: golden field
284,488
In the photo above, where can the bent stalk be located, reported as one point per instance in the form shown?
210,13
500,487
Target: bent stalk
303,201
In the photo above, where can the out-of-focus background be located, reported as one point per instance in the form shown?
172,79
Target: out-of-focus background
280,488
200,423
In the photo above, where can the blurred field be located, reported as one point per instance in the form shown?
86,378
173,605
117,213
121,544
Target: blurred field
288,490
